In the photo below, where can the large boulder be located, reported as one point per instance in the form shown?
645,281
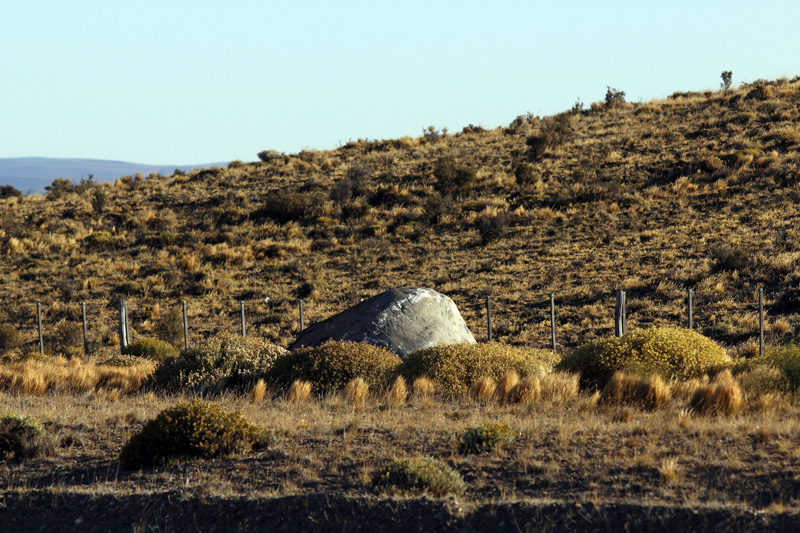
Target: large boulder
403,320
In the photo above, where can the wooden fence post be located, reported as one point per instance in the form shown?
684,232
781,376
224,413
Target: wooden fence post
185,327
619,314
302,323
241,312
553,319
690,302
123,326
39,321
85,331
760,321
489,318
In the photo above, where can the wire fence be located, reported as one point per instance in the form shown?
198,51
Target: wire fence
620,320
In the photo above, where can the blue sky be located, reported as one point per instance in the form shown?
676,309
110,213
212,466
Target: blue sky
184,82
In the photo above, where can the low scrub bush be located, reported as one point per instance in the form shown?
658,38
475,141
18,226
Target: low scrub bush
452,176
455,367
22,437
672,353
217,363
150,348
190,430
419,474
486,438
333,364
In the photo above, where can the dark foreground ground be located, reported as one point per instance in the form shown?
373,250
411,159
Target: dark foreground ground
174,511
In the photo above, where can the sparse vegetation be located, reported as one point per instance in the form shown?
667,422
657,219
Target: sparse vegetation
486,437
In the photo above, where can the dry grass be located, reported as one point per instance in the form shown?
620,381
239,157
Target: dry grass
258,392
483,390
397,394
648,392
299,392
422,389
723,395
526,391
356,392
39,376
507,384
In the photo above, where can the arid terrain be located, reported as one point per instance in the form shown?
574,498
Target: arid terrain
699,191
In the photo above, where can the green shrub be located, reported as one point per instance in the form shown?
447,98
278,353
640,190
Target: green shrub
169,327
454,367
217,363
486,437
126,360
10,338
150,348
22,437
452,176
419,474
525,173
666,352
333,364
190,430
98,240
492,227
785,359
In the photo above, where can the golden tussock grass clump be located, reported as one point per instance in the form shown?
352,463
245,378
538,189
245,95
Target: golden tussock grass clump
628,389
507,384
37,376
356,392
669,471
724,395
526,391
258,392
483,389
299,391
559,387
423,389
397,393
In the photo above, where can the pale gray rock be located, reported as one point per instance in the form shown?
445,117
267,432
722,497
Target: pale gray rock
403,320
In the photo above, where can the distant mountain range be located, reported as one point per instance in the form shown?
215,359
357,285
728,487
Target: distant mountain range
32,174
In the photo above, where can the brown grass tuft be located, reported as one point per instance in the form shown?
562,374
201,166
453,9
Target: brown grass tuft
507,384
299,392
397,393
258,392
627,389
356,392
559,387
724,396
526,391
483,389
423,389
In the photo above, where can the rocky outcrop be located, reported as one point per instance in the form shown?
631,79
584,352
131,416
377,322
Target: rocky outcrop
403,320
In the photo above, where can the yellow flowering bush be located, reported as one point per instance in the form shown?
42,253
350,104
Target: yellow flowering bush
215,364
455,367
667,352
333,364
190,430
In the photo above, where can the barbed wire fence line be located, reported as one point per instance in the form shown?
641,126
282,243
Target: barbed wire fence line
620,316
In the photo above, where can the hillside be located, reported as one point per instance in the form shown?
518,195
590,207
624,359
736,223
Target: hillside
699,190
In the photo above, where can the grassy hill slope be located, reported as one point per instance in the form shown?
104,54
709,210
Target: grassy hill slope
699,190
